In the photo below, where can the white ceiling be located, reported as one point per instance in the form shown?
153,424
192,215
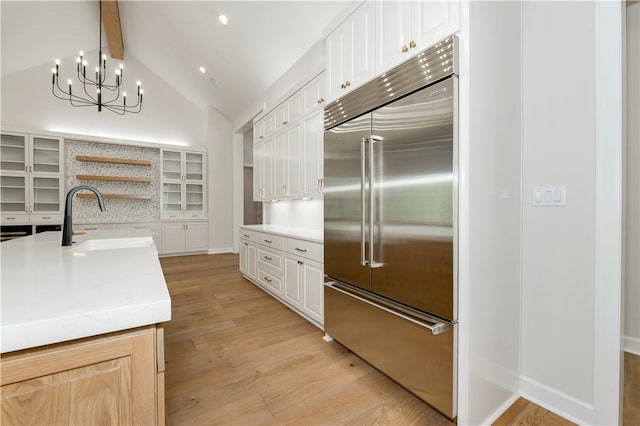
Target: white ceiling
173,38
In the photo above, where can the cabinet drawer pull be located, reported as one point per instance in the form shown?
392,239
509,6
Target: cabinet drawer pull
321,100
246,244
46,217
347,83
261,137
405,49
285,122
412,44
91,229
300,262
267,279
10,218
246,235
267,258
268,241
302,250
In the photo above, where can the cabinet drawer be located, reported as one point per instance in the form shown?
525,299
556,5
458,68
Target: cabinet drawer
304,248
270,257
94,227
269,240
47,218
270,279
194,216
247,235
10,219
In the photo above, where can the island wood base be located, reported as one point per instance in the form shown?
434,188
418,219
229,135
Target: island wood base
115,378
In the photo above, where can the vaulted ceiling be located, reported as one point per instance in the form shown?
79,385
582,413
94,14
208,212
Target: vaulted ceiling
262,40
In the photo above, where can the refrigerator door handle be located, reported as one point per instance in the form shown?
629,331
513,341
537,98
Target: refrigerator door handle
372,211
434,326
363,202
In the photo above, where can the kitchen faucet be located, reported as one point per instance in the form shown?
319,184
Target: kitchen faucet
67,227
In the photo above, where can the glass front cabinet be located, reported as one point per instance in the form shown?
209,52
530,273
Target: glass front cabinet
31,179
183,185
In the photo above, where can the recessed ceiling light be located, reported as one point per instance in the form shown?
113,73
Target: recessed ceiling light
202,70
223,19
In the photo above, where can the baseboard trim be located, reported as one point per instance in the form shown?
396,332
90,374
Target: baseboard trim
220,250
557,402
632,345
501,409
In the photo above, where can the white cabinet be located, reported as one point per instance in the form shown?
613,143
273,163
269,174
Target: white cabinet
263,177
31,179
350,51
303,280
291,269
313,156
404,28
288,162
184,237
183,178
248,260
312,93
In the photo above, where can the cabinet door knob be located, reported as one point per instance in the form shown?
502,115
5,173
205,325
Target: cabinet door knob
412,44
321,100
405,49
285,122
261,137
347,84
300,262
343,86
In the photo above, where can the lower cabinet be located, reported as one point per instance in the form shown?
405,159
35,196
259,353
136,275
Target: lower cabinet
184,237
303,281
290,269
111,379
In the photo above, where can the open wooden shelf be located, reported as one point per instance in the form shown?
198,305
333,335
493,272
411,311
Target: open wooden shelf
117,196
113,160
114,178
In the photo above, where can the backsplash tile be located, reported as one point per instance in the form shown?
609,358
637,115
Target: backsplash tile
118,210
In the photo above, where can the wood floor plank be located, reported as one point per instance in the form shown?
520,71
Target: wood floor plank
236,355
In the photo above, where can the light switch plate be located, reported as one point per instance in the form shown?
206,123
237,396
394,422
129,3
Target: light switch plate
549,196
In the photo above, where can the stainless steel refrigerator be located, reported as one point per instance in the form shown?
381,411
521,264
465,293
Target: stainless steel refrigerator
390,226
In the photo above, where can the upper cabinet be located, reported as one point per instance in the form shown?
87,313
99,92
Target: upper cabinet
287,162
183,185
404,28
380,35
31,178
350,51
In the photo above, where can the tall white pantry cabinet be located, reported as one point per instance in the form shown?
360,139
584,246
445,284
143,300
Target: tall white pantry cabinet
183,201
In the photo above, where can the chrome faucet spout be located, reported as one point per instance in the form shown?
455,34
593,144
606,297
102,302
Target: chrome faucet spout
67,227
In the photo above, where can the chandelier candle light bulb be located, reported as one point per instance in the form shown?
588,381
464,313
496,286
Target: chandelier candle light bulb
99,83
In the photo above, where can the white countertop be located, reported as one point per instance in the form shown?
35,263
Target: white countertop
314,235
52,294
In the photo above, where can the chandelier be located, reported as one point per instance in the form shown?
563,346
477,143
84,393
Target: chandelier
105,96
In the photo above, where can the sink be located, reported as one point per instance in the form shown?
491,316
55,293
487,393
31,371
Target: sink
113,243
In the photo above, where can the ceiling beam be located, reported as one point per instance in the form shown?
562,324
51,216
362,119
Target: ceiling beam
111,22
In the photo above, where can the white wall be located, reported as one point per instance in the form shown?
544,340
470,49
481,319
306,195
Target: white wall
219,137
167,117
632,213
558,257
490,182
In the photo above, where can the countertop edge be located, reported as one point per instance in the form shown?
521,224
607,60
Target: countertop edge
299,233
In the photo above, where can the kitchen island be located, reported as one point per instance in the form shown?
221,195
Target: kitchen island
81,335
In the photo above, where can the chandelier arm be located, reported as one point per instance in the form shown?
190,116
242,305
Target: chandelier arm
114,110
84,86
85,80
114,99
70,96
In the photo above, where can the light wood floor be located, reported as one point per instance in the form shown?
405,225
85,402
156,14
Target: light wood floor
235,355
